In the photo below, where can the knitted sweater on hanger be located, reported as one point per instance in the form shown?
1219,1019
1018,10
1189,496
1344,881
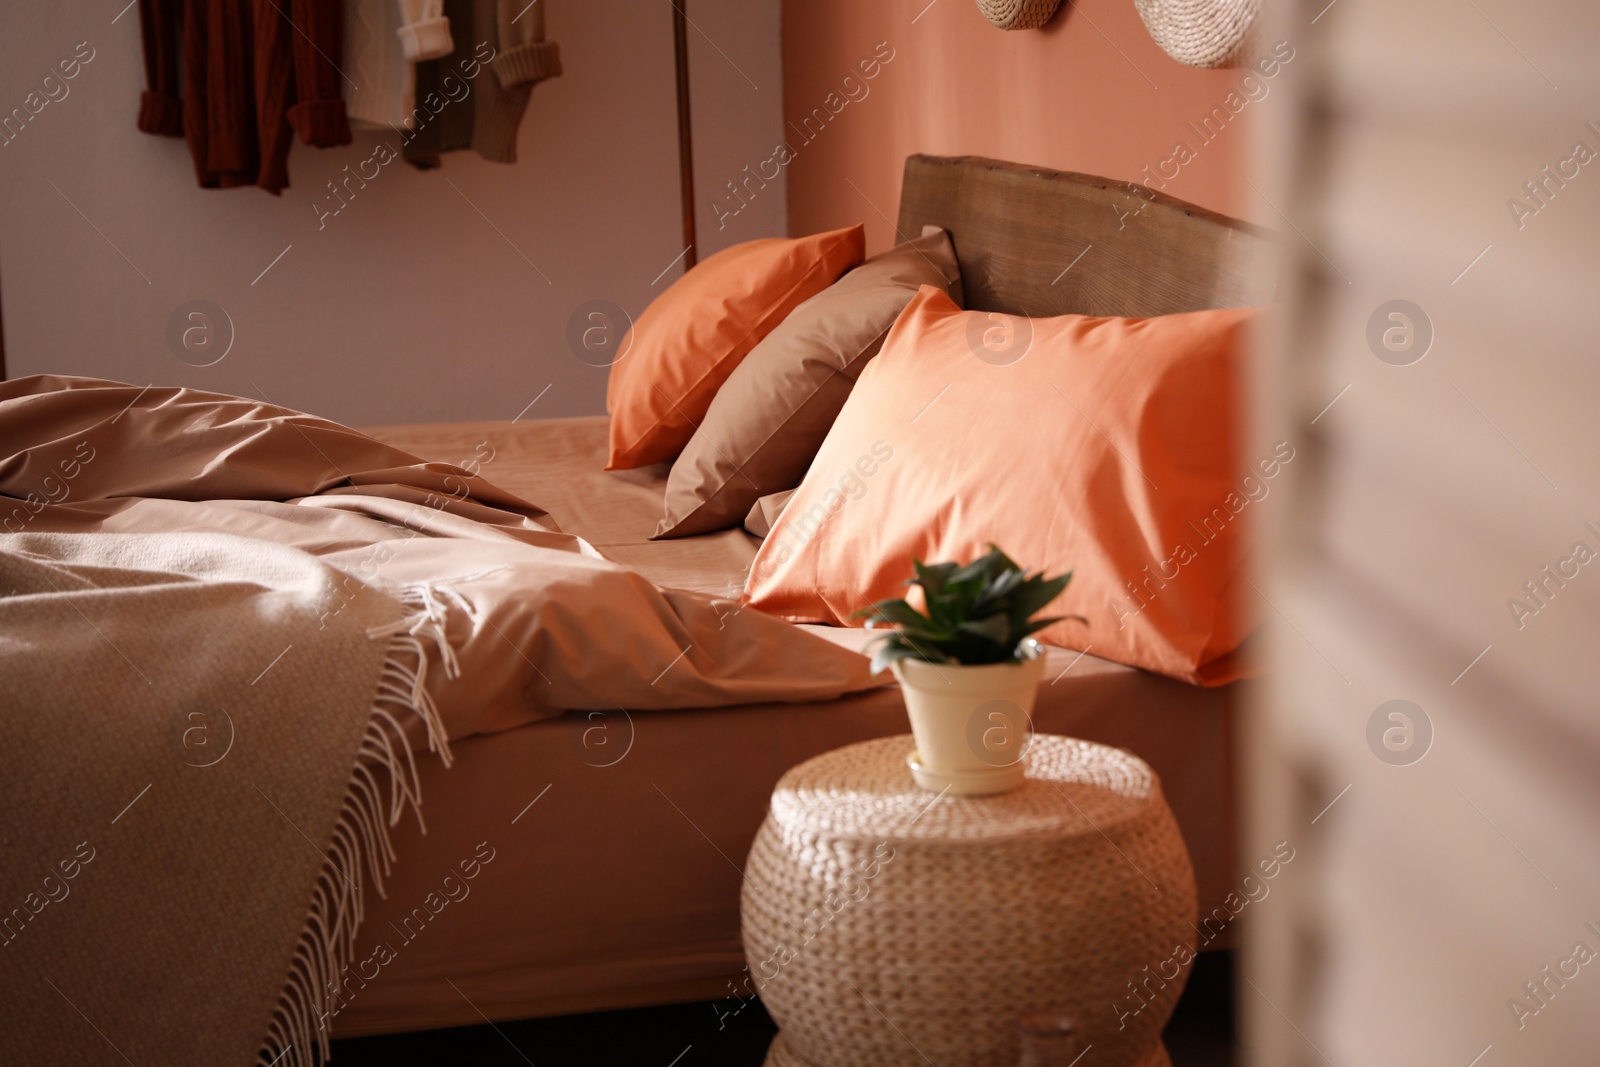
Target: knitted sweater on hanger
475,97
254,73
384,40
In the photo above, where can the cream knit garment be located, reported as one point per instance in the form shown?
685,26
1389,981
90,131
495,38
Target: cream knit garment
424,31
383,41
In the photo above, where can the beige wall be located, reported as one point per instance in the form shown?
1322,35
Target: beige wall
421,300
736,97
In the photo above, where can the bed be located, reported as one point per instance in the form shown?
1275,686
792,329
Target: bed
620,885
484,578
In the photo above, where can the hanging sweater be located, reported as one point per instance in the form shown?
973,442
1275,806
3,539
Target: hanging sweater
254,74
475,97
383,42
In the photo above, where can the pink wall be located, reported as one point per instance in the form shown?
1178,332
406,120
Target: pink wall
1089,92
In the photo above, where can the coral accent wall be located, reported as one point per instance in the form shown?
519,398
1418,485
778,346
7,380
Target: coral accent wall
1089,92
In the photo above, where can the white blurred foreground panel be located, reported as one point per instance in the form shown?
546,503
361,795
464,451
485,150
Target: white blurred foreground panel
1437,173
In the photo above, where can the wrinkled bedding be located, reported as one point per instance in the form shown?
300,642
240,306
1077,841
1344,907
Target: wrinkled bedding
537,620
199,675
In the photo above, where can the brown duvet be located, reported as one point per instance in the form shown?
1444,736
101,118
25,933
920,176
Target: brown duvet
538,621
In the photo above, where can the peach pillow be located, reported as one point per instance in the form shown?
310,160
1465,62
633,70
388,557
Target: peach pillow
1108,446
692,336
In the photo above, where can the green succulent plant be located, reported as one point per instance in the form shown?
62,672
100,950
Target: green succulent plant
977,613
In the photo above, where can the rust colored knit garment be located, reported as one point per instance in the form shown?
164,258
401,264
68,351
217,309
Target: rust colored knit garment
254,73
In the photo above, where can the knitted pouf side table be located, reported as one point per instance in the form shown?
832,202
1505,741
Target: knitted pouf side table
884,924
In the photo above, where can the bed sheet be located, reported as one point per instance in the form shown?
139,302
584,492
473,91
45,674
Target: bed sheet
560,465
617,840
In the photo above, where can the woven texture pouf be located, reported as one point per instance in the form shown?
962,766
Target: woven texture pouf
888,925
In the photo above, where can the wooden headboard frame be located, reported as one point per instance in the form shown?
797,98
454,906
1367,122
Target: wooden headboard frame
1033,241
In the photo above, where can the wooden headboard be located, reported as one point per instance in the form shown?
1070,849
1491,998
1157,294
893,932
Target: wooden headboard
1033,241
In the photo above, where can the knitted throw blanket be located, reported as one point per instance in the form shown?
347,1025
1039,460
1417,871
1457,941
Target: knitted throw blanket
203,742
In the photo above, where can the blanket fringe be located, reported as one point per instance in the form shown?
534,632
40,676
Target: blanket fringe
297,1034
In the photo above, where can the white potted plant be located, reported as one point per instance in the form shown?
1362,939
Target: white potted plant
968,668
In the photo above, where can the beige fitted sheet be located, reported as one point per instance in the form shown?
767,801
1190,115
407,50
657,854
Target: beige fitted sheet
619,885
559,464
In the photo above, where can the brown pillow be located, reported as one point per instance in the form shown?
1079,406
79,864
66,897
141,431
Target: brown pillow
770,417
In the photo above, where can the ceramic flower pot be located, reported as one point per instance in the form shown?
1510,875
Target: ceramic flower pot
972,724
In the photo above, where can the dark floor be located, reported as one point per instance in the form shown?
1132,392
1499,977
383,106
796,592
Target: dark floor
700,1035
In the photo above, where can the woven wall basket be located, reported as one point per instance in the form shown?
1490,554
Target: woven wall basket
1018,14
1202,33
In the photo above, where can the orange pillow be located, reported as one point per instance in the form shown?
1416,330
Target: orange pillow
693,335
1107,446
